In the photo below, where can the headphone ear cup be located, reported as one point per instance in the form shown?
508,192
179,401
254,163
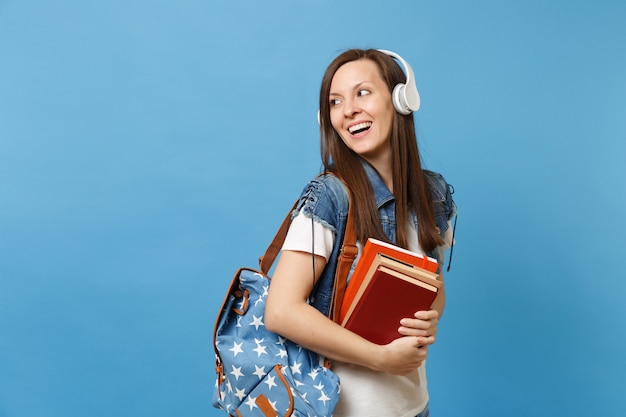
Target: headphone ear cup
398,96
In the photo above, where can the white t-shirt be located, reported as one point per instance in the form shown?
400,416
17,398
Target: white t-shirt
364,392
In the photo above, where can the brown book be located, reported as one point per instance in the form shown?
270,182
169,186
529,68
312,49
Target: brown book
390,290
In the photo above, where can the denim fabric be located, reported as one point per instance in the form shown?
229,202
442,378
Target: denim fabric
326,200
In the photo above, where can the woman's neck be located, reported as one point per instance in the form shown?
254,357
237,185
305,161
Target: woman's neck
383,167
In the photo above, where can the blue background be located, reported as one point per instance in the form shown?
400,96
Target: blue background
149,148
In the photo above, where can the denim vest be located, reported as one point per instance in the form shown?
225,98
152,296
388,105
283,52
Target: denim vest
325,199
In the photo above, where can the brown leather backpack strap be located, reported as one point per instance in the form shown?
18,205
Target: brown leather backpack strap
348,254
266,261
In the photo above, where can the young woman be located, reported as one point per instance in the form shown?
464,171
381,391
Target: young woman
373,148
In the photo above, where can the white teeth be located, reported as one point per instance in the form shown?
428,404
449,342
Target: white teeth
360,126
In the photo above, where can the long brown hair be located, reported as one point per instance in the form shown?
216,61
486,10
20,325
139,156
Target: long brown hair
410,186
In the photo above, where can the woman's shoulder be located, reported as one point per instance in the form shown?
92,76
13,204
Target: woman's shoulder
439,187
325,198
441,191
326,185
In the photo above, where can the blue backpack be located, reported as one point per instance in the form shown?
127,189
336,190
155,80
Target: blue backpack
260,373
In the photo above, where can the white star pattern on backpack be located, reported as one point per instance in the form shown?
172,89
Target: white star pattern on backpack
265,370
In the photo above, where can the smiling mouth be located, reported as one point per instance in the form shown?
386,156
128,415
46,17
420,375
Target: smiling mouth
359,128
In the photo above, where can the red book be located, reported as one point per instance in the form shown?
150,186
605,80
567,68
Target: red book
390,291
372,248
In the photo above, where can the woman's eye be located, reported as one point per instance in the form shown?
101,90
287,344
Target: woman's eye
334,101
363,92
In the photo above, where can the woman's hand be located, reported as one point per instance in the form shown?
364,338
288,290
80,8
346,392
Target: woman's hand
423,326
404,354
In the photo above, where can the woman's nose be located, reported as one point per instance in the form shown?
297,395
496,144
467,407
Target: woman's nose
350,108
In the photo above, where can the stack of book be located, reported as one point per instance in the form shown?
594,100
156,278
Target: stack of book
389,283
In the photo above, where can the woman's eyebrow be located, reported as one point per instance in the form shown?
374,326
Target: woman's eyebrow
355,87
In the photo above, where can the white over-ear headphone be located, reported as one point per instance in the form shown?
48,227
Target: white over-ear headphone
405,97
